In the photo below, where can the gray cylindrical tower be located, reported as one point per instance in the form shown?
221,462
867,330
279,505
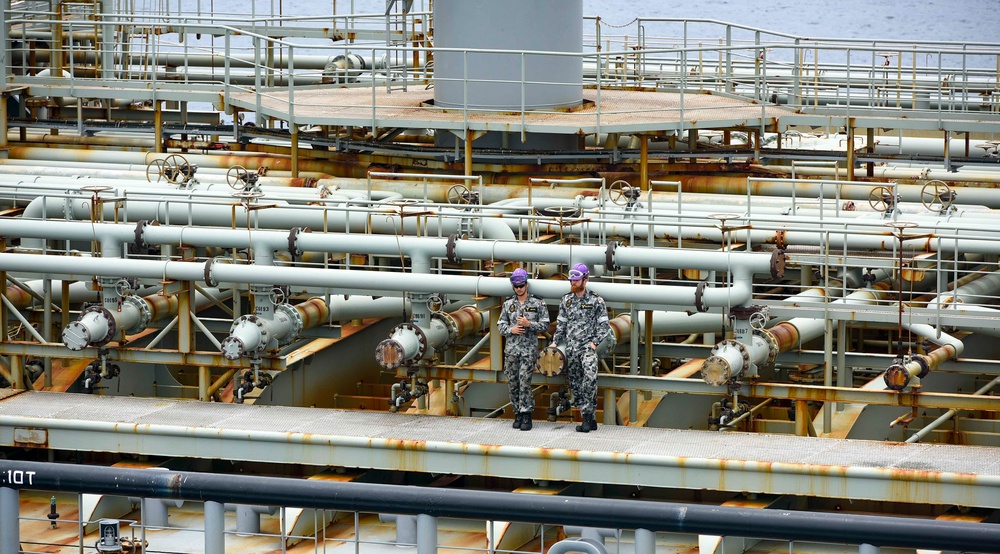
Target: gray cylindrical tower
493,80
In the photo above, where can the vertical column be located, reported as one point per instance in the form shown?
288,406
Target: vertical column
644,163
427,535
157,127
4,51
10,532
295,151
843,374
215,528
870,149
850,149
828,374
469,137
204,378
645,541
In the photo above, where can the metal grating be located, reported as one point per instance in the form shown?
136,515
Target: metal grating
411,429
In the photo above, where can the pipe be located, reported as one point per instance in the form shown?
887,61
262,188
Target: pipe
584,545
406,528
382,282
730,358
98,325
838,528
392,245
252,335
409,342
949,414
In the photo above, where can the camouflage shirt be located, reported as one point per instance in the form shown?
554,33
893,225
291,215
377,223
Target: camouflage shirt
581,320
537,313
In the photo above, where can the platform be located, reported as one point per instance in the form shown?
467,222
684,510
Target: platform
668,458
606,111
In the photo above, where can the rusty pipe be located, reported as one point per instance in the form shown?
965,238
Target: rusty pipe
313,312
899,375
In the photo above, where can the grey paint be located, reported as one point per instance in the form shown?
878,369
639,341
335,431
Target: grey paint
493,80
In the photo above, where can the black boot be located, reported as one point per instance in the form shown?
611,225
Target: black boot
526,421
517,421
588,424
593,422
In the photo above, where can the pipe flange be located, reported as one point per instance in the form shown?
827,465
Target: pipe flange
139,245
296,320
450,249
699,294
772,346
421,339
925,367
389,354
260,323
609,257
450,325
233,348
777,264
208,273
293,237
896,377
741,348
112,326
145,313
551,361
780,240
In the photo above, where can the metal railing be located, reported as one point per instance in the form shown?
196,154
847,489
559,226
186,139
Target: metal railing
141,58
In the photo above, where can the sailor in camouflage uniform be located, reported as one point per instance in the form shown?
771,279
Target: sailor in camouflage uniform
522,317
582,325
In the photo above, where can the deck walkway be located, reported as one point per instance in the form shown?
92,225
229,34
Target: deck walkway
668,458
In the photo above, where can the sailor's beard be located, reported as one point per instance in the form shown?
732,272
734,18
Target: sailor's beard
576,286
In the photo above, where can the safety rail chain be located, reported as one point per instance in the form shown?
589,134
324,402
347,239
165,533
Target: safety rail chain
105,59
428,504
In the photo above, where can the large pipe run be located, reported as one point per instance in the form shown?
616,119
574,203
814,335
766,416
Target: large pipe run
828,527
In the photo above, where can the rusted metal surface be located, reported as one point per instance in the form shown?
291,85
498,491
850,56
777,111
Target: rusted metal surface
909,473
468,320
313,312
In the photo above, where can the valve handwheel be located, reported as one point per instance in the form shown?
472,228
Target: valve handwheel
155,168
619,191
758,321
937,196
458,194
176,169
881,199
237,177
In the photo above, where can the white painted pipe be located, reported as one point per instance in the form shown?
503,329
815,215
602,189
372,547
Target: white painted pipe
384,283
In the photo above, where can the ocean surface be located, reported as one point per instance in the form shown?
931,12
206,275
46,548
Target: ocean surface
925,20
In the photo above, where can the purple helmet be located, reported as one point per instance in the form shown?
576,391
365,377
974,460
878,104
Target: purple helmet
519,277
578,272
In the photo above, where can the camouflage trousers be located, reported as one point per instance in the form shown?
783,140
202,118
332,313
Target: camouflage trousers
582,374
518,369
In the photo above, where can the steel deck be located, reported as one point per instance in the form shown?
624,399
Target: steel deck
669,458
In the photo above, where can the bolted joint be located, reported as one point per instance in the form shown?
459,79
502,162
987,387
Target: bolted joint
551,360
716,371
389,354
252,335
144,311
896,377
233,348
96,326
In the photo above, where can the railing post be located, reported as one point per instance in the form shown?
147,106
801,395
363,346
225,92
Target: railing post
10,533
645,541
427,534
215,528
